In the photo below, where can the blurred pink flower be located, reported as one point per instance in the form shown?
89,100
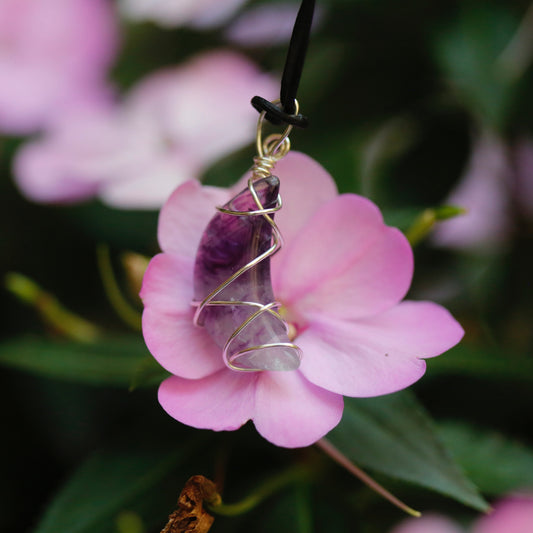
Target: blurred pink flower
168,129
266,25
54,55
513,514
496,187
340,278
172,13
484,192
430,523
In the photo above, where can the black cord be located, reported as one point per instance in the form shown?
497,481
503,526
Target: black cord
292,72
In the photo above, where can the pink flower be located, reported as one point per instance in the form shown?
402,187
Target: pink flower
497,188
430,523
171,13
514,514
169,129
484,192
340,278
54,55
267,24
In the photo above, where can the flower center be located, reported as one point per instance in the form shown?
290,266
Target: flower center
293,329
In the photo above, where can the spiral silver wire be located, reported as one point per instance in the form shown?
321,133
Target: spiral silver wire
269,151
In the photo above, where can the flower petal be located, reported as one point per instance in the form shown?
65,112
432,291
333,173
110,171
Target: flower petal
149,186
431,523
179,346
483,191
378,355
169,14
172,338
173,100
185,215
222,401
86,152
55,55
297,172
263,25
292,412
167,284
512,515
345,277
39,173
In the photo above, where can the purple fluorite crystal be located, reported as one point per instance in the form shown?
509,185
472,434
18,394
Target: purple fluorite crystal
229,243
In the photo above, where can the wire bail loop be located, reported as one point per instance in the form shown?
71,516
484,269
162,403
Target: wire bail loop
272,149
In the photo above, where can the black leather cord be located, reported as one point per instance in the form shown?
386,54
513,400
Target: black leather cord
292,72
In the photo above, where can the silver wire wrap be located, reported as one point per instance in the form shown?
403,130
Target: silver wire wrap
269,151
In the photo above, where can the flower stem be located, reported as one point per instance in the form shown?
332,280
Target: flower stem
341,459
60,319
270,486
123,308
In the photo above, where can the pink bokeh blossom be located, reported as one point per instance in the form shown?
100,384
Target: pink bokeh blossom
484,191
340,279
54,56
168,129
173,13
513,514
430,523
496,189
267,24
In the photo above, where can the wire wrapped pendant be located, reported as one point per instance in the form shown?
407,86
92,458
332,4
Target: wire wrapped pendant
232,285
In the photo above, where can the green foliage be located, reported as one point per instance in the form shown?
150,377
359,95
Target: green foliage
470,53
117,362
392,434
489,363
111,482
495,463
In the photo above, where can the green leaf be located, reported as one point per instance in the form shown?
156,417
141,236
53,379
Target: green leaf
110,483
393,435
108,362
469,52
465,360
496,464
